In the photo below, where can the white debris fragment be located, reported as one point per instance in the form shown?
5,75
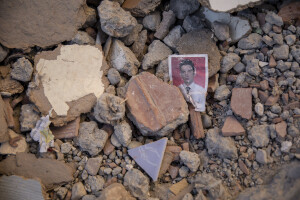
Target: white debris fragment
43,134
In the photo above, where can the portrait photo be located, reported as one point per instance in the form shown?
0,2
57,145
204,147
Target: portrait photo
190,74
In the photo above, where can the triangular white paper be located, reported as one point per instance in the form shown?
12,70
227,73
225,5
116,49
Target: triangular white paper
149,156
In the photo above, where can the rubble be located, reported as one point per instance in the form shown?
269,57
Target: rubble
109,109
10,87
152,21
141,98
3,53
229,61
4,136
179,186
123,133
200,42
82,38
22,70
222,93
78,94
96,183
195,122
18,141
164,26
253,41
224,147
50,172
31,189
259,135
286,176
115,21
232,127
220,6
68,131
115,191
137,183
123,59
241,102
173,37
29,117
16,14
90,138
140,8
157,52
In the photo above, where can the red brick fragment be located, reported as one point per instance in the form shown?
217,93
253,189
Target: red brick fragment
263,96
232,127
241,102
272,100
281,129
185,146
67,131
175,150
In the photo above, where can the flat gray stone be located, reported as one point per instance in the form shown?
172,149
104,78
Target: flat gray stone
229,61
152,21
183,8
259,135
281,52
253,41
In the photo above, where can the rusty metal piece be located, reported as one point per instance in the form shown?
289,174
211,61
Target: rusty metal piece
13,141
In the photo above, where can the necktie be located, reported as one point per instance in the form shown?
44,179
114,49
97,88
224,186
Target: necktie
188,90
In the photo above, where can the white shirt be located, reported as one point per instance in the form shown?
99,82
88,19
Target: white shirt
196,95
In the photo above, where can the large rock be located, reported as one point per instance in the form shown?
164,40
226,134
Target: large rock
224,147
115,191
259,135
90,138
157,52
123,59
61,82
137,183
183,8
284,184
51,172
30,27
155,107
223,6
140,8
115,21
200,42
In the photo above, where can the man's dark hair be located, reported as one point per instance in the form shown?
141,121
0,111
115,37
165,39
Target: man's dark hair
186,62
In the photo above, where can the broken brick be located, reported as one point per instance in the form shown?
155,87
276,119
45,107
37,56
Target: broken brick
272,100
232,127
168,158
179,186
196,123
185,146
241,102
272,62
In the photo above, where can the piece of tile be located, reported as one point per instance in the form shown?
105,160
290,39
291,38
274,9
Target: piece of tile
150,156
68,131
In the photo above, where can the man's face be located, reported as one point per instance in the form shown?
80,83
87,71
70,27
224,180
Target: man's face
187,74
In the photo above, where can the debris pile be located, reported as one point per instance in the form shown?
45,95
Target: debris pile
88,111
